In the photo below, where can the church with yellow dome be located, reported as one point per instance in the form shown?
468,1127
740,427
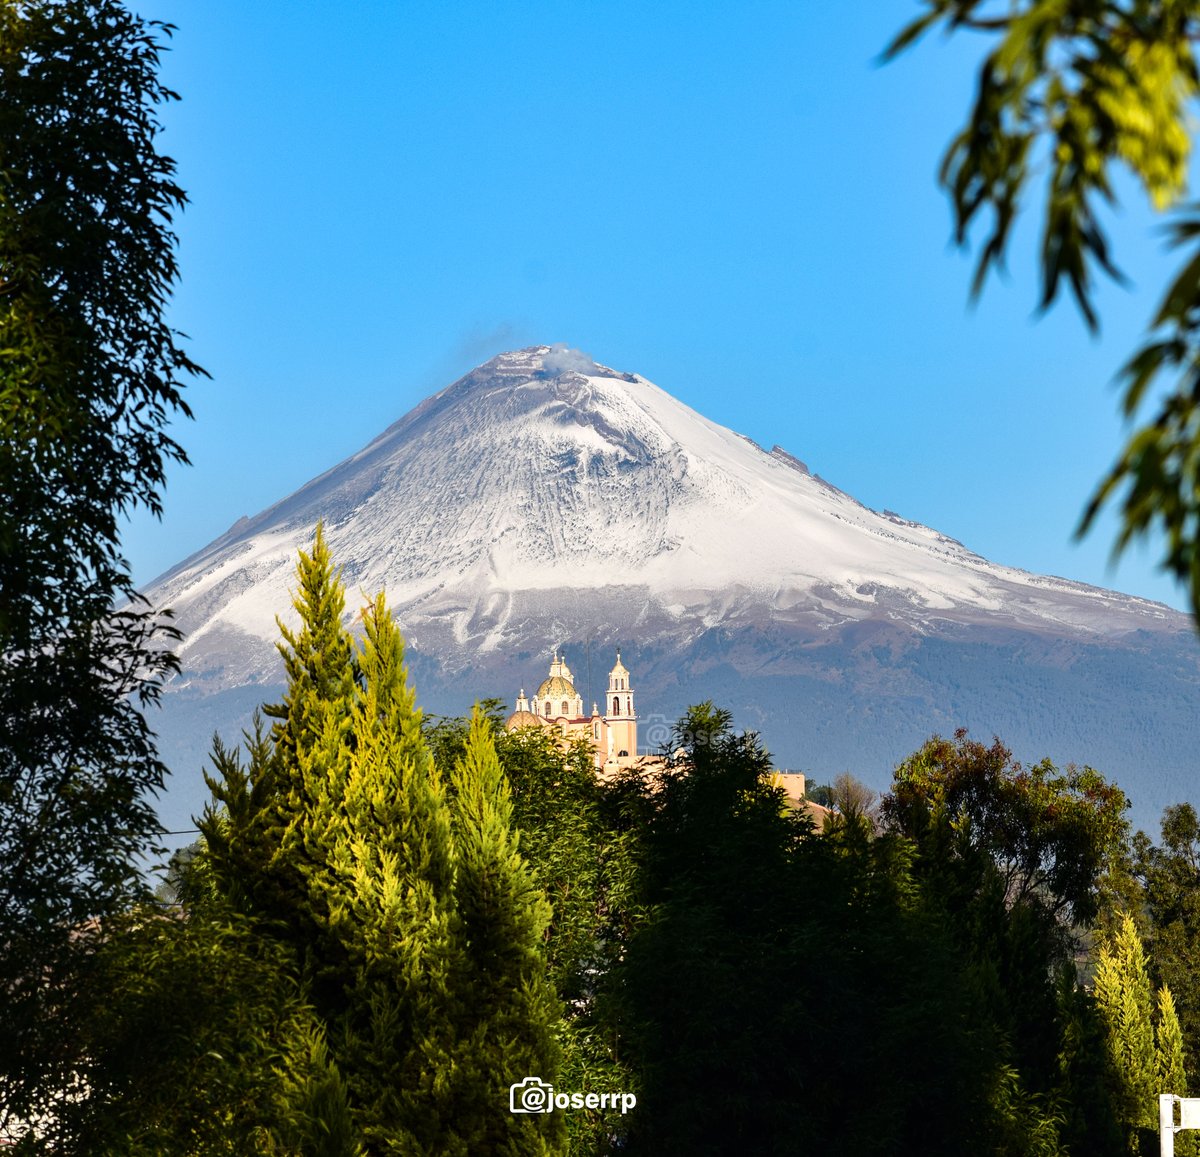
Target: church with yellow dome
557,706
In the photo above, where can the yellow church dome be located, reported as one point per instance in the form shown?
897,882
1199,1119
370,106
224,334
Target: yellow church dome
523,719
555,688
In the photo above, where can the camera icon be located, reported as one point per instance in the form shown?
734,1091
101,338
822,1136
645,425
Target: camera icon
532,1095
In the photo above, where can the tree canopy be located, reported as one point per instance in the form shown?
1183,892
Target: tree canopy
1068,93
90,375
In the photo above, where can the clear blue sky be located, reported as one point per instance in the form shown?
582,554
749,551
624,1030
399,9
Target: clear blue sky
733,199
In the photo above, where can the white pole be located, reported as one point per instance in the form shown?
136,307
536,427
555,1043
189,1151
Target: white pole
1166,1125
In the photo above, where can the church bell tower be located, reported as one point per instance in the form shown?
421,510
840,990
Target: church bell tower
619,714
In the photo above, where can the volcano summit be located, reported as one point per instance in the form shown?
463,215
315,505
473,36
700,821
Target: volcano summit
546,500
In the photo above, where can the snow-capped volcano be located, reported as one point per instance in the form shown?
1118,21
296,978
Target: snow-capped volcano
542,474
545,499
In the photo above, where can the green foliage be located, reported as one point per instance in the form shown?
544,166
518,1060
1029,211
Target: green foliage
89,369
1169,1074
1010,855
783,980
706,978
751,980
1090,1121
1170,1064
1158,474
400,898
1169,876
314,1100
1050,834
1094,82
446,736
1142,1038
1021,1122
319,661
502,915
196,1019
1124,1000
819,793
576,835
851,800
882,977
90,374
1069,92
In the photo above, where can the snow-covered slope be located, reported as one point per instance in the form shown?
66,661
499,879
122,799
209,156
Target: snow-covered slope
488,511
544,500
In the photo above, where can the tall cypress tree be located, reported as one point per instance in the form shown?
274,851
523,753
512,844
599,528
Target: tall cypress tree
385,881
502,914
258,807
318,659
1169,1047
415,934
1090,1121
1169,873
1124,1000
1170,1067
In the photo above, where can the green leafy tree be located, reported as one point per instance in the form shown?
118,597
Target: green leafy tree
1013,857
782,980
1050,833
90,374
1068,94
705,978
579,838
819,793
884,976
1090,1120
572,840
